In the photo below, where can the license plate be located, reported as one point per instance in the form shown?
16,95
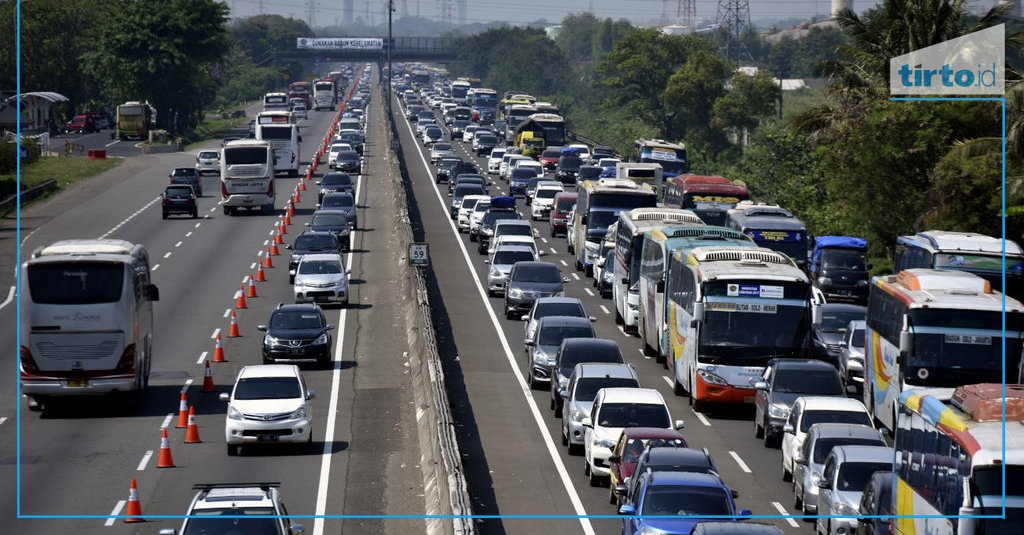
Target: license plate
295,351
266,438
319,298
78,383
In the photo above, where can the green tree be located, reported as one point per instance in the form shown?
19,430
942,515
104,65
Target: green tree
265,39
749,100
576,35
690,96
519,58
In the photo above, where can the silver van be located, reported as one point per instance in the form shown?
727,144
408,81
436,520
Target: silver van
847,472
809,460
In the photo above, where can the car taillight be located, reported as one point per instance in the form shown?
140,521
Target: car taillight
127,362
28,364
270,189
224,190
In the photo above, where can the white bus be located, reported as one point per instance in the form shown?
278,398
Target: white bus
87,320
324,95
598,205
285,139
932,330
950,460
731,310
276,101
629,239
247,175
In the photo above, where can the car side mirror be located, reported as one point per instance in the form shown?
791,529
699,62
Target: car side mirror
286,246
760,385
735,494
614,459
564,394
565,279
824,484
587,422
627,510
167,531
487,261
680,424
592,318
307,224
798,458
310,394
330,327
317,182
261,328
224,396
300,139
542,253
788,428
296,528
746,513
620,490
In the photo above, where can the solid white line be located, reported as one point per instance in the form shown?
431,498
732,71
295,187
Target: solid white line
703,419
167,421
10,297
778,506
144,461
605,310
112,143
590,293
743,465
539,419
202,357
115,512
668,381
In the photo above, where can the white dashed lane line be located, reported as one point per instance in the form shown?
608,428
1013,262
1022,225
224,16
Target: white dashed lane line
743,466
167,254
145,460
782,510
605,309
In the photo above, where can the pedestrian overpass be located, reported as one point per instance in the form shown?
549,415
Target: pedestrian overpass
374,49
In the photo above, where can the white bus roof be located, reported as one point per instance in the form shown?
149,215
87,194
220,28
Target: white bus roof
652,217
744,262
933,288
84,247
248,142
659,143
948,241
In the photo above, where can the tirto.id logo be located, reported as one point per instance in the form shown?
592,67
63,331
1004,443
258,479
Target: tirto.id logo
970,65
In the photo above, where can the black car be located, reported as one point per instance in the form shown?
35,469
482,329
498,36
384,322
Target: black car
297,333
589,172
444,167
189,176
461,169
349,161
529,281
574,351
568,170
310,242
784,380
461,191
335,182
518,180
344,202
829,329
486,230
469,178
456,129
334,222
485,144
179,199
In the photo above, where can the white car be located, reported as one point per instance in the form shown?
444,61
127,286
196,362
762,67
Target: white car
268,404
494,161
467,133
543,199
467,206
476,217
505,167
300,111
243,506
584,150
615,409
335,148
513,239
432,134
321,278
810,410
208,161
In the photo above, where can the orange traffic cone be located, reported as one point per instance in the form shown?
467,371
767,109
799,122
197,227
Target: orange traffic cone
233,328
290,210
192,433
278,240
260,275
251,290
302,186
240,298
287,218
281,229
207,381
182,412
218,356
134,510
165,460
274,251
267,263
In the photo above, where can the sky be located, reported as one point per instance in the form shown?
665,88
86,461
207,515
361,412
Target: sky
524,11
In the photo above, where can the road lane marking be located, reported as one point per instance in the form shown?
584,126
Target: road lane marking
129,218
155,267
145,460
188,234
743,466
198,225
539,419
555,251
605,310
217,330
117,510
590,293
564,263
112,143
703,419
789,518
575,276
543,240
202,357
167,254
10,297
167,421
178,244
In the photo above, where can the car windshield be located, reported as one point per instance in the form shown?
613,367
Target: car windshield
565,205
212,521
504,258
209,155
296,320
588,353
635,446
538,273
558,309
328,220
336,179
441,147
267,388
546,193
836,321
808,382
336,201
179,191
553,336
853,477
514,230
857,340
348,155
682,500
491,216
587,387
633,415
823,446
314,241
843,417
319,267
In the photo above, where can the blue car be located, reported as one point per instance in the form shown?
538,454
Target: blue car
517,186
674,502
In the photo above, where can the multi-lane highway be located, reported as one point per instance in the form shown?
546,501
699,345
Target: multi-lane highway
76,460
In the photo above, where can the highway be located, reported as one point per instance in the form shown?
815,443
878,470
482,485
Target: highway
76,460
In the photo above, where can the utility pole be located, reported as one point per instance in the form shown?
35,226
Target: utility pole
391,92
733,21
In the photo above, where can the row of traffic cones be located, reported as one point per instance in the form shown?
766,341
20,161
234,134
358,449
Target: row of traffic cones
133,512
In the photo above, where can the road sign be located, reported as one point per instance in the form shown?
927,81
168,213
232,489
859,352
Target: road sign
419,254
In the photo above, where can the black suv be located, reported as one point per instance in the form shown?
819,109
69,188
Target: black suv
311,242
783,381
179,199
187,175
297,333
333,183
336,223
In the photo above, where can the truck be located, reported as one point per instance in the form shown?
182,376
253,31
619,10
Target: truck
643,173
530,143
839,268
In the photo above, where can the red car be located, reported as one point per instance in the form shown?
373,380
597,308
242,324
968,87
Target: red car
627,450
81,124
549,158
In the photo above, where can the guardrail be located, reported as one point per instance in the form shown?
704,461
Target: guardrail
27,195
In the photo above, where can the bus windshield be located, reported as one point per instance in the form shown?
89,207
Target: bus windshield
740,326
76,283
130,110
987,489
955,347
671,160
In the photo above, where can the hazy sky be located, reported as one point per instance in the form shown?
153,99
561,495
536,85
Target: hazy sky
522,11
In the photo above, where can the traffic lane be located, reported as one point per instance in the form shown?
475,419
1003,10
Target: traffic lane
738,466
507,465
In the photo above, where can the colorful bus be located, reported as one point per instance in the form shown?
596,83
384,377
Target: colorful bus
771,226
629,242
133,120
930,331
711,197
731,310
950,462
964,251
671,156
87,324
598,205
656,255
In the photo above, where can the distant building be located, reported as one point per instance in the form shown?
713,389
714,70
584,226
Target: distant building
841,5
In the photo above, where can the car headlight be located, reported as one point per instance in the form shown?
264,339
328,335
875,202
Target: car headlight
298,413
712,378
495,272
540,357
778,410
824,281
233,413
844,509
605,443
270,340
515,292
321,340
577,415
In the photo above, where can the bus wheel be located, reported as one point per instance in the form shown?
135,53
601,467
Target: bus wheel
677,388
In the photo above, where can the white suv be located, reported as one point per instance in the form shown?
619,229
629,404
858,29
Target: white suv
615,409
321,278
223,508
543,199
268,404
208,161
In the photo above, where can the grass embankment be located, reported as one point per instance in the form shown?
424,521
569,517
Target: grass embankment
213,129
65,170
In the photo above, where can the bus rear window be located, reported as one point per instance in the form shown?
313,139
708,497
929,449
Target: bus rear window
245,155
277,132
76,283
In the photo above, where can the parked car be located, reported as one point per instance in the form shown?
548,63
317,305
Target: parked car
269,404
847,472
829,328
321,278
188,176
614,410
81,124
179,199
627,451
541,350
343,202
810,410
573,351
219,508
310,242
851,359
528,281
690,496
783,381
810,458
